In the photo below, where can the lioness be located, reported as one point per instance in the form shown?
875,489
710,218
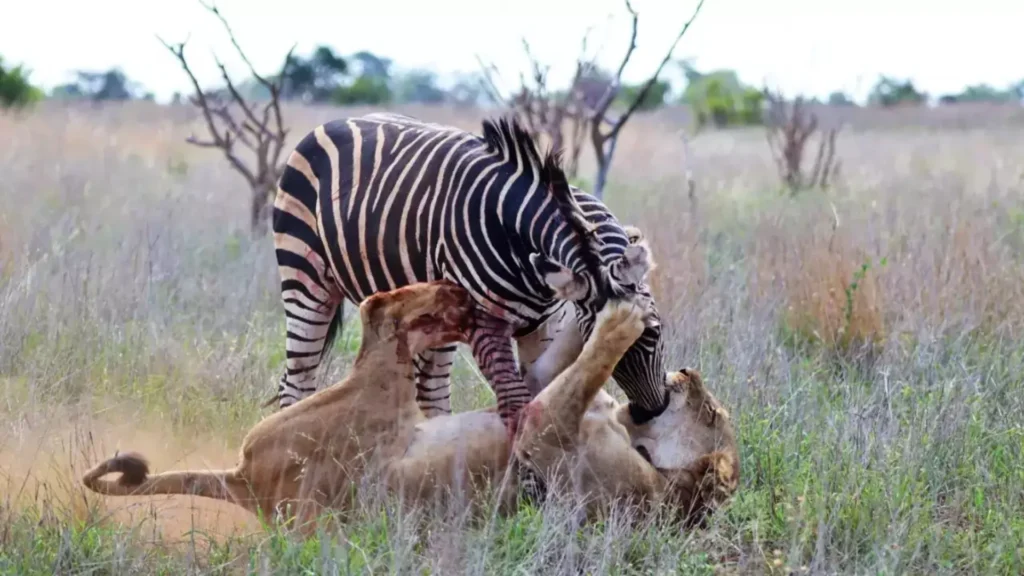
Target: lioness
312,455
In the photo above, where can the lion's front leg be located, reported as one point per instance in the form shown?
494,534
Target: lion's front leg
554,416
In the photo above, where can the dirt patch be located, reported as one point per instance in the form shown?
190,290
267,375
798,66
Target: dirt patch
42,462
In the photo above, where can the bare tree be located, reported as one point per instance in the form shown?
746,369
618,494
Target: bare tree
604,140
790,126
230,120
586,104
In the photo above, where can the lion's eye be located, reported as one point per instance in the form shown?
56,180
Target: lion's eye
644,453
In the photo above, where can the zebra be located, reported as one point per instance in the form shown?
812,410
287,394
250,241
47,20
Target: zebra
372,203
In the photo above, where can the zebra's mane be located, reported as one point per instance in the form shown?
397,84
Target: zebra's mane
505,134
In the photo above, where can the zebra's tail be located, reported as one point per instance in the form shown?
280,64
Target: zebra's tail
135,480
332,330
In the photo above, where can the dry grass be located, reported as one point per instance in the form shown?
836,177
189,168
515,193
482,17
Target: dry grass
41,467
831,288
878,406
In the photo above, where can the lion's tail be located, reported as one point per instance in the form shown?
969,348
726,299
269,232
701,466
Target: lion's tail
135,480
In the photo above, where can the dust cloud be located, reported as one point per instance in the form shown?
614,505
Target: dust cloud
42,459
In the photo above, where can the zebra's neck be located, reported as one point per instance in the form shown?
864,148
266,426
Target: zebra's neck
531,211
541,228
502,207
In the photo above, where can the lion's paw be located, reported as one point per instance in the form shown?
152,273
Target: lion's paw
620,319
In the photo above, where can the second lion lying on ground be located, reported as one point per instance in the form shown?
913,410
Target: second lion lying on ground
315,454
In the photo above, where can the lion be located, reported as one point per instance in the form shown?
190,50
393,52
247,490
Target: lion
310,457
558,343
577,436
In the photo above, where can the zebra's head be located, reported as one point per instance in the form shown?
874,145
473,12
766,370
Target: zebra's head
640,372
610,261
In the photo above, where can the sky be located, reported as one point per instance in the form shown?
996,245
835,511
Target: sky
812,47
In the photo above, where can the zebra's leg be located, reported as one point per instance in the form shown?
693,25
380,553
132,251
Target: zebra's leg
311,301
307,332
432,369
492,346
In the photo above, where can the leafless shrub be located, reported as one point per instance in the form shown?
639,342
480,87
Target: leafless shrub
790,126
586,104
547,112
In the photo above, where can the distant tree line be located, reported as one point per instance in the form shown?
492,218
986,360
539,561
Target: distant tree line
15,89
366,78
107,85
718,97
326,77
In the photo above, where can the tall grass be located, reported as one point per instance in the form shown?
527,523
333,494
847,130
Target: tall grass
868,342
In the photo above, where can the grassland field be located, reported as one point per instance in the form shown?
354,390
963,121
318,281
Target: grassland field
868,340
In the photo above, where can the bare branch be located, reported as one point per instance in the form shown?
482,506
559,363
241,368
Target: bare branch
487,80
612,90
231,36
632,41
275,108
220,140
238,97
238,131
202,143
604,142
638,100
251,128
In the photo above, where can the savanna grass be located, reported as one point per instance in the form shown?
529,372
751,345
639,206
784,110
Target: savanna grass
867,340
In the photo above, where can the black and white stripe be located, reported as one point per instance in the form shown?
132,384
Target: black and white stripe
373,203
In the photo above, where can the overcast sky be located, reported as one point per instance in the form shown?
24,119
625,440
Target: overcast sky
807,46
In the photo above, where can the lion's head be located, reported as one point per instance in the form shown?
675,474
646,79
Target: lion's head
692,444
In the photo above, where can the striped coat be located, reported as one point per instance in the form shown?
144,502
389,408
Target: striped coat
373,203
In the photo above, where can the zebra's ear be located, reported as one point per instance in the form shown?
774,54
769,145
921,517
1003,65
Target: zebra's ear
636,262
566,284
633,234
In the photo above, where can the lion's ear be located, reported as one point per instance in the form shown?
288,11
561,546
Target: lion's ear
566,284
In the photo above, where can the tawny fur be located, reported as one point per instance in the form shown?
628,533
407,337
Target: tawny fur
312,455
577,438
